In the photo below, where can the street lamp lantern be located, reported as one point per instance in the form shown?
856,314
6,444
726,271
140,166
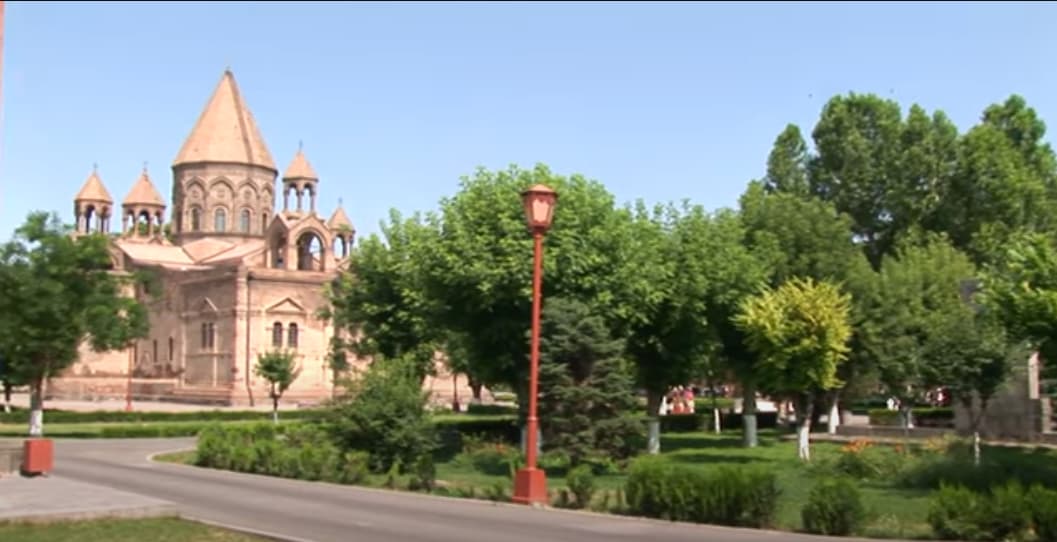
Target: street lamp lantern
539,202
530,483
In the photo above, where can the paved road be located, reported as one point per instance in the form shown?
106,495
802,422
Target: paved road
323,512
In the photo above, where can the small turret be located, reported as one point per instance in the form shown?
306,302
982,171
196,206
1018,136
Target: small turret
92,206
342,229
300,178
143,208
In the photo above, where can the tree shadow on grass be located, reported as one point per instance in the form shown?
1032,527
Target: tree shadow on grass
705,458
703,442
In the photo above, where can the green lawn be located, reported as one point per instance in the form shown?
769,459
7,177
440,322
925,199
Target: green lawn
896,513
114,530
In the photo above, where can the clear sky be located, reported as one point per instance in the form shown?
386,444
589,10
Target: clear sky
396,101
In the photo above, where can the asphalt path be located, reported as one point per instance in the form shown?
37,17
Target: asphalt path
312,511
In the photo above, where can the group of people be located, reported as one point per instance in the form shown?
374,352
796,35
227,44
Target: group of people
678,400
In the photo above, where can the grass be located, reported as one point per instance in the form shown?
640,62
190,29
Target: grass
114,530
895,513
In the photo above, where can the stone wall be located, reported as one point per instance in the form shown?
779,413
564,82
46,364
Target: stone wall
1014,413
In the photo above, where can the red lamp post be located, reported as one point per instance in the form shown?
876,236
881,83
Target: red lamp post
530,483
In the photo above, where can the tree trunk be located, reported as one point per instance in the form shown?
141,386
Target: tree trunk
653,411
818,406
804,409
748,416
7,396
36,408
974,422
475,387
833,420
906,419
275,409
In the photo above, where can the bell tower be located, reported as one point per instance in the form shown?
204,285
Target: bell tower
92,206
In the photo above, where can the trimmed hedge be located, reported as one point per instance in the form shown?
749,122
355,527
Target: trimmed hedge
923,417
724,495
107,416
702,421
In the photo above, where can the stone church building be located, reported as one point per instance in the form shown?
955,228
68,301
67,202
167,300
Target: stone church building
233,276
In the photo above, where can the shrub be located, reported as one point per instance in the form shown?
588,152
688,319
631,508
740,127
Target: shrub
1007,513
474,408
384,413
354,467
555,462
702,420
424,474
953,512
494,458
998,466
581,482
833,507
923,417
1043,513
957,513
453,430
736,496
861,460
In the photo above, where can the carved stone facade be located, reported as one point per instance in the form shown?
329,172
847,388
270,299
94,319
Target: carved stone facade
231,279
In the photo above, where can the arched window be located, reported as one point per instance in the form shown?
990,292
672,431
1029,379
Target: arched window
154,350
170,348
244,221
196,219
220,220
264,223
291,341
277,335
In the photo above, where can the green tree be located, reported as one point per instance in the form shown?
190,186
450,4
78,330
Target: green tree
380,305
917,293
857,138
1021,289
57,292
735,272
787,164
798,236
800,331
8,379
280,370
588,398
667,273
478,271
384,413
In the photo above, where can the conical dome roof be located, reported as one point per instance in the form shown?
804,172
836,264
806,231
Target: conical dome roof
144,193
339,220
93,190
300,168
226,131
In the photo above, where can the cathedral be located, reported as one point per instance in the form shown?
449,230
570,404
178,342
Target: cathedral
230,276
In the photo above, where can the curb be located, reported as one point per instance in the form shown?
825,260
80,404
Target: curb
138,512
267,535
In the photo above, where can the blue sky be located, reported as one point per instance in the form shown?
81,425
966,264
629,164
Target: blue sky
394,102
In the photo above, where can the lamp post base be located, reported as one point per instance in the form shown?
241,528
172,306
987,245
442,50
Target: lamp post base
530,487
